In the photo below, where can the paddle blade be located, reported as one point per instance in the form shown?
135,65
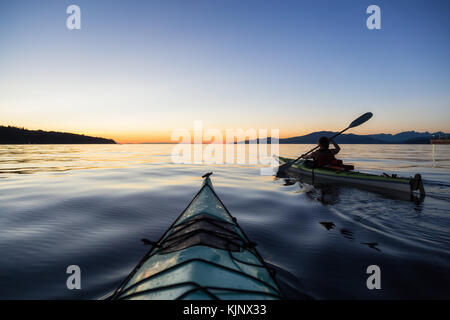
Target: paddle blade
366,116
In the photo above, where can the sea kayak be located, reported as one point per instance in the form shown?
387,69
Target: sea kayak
203,255
380,183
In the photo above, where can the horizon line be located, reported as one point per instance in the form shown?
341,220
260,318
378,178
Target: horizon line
99,135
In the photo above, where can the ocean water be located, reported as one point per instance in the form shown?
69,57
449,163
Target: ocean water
89,205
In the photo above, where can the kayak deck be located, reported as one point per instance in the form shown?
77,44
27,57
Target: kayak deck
365,180
203,255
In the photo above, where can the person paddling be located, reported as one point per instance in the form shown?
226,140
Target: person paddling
325,156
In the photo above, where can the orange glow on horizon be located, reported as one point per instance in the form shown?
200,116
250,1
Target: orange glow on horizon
164,136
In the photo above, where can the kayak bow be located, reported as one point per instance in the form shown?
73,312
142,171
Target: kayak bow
203,255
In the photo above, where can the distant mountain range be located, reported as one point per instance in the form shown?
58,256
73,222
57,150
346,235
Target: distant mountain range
13,135
407,137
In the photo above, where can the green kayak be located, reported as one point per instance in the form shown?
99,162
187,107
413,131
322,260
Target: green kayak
203,255
380,183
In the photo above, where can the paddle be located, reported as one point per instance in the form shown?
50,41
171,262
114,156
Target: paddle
366,116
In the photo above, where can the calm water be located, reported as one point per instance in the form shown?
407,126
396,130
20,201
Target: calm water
90,205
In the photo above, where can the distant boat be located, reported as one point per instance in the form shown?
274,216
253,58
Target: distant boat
440,141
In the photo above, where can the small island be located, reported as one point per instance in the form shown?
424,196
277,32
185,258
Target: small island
14,135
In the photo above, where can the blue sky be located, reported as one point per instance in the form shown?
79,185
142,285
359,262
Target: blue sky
139,69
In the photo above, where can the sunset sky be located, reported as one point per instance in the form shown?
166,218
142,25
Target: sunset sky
137,70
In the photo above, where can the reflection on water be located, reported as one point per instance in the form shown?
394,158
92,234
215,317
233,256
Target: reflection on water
372,245
91,205
328,224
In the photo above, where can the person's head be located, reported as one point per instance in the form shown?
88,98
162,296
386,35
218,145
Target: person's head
323,143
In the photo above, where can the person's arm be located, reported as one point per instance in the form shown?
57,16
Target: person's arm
336,147
309,156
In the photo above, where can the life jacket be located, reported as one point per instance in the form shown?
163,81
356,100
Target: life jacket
324,157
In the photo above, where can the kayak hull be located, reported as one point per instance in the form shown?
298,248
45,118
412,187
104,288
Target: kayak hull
203,255
379,183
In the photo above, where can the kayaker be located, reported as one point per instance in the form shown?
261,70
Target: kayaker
325,156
